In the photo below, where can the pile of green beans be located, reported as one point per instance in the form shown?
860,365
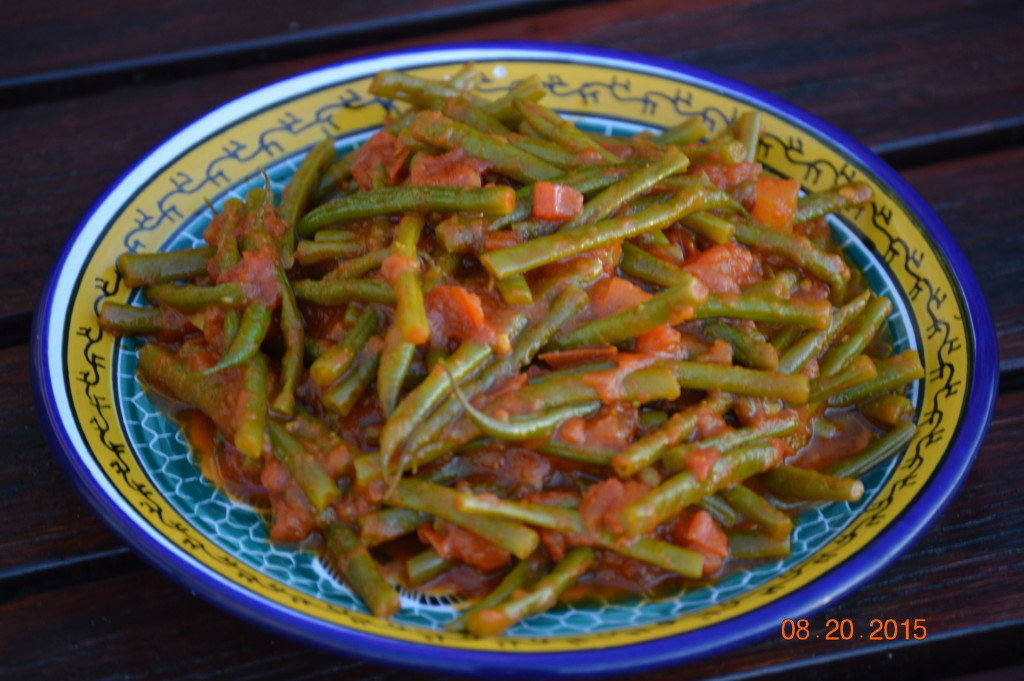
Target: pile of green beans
395,360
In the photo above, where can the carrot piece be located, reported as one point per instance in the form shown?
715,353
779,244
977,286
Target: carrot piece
776,202
556,201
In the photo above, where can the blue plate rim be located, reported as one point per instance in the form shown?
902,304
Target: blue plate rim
676,649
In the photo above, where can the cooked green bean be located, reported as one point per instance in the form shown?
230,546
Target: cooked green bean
685,488
361,571
191,298
495,620
296,193
548,249
406,199
147,269
804,484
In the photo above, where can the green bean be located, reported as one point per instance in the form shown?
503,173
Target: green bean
504,109
493,201
312,252
586,180
569,521
641,265
410,315
523,574
344,291
422,400
294,334
566,306
719,509
807,485
892,373
524,428
545,150
552,126
645,385
862,369
442,502
146,269
336,361
749,544
122,319
888,411
683,489
462,110
420,92
440,131
749,346
357,267
877,451
798,249
532,254
515,290
710,226
192,298
328,235
541,515
361,572
379,527
689,130
794,389
578,453
303,467
343,397
813,343
395,360
296,193
629,187
748,131
160,367
426,565
779,286
815,314
855,337
784,339
252,329
775,426
667,307
649,449
252,405
820,204
758,510
542,596
727,152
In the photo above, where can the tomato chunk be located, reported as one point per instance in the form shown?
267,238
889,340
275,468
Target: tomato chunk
776,202
556,201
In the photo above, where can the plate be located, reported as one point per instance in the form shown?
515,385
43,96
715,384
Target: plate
133,467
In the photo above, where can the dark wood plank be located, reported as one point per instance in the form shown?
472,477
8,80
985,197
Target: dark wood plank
48,522
62,155
960,577
116,33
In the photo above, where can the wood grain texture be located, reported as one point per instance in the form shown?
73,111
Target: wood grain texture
61,156
54,525
114,33
955,578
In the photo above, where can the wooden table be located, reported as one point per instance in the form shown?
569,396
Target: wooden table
936,88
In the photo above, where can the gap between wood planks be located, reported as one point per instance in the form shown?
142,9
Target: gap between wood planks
22,90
